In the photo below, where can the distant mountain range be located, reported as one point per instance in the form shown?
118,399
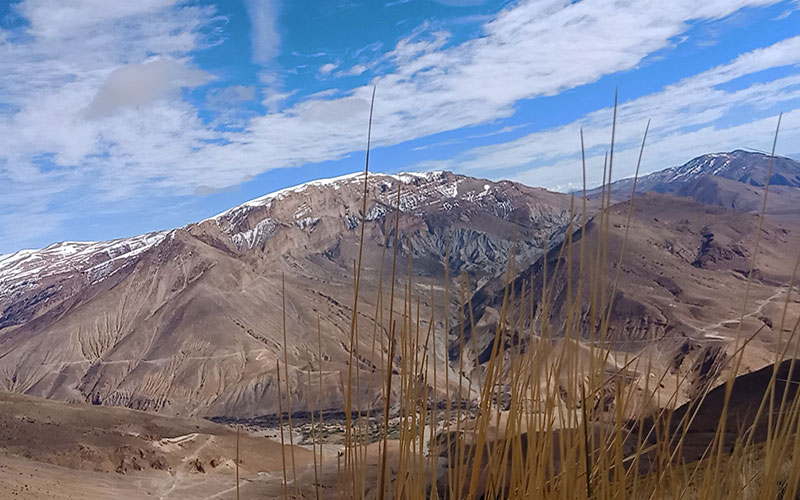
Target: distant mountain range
733,180
190,321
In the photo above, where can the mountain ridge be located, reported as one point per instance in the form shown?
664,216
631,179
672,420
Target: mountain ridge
735,179
191,323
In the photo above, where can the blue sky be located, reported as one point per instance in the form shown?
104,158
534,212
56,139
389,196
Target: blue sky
118,118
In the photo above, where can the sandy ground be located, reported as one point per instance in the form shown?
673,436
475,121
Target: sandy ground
54,450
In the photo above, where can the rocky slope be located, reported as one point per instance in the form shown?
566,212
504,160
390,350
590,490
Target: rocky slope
733,180
680,295
190,321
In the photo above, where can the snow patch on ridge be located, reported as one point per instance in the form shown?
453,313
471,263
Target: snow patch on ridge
24,269
710,164
307,223
256,236
99,260
336,183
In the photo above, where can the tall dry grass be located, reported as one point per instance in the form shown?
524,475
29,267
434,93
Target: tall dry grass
546,417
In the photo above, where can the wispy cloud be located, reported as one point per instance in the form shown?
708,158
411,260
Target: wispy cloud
684,117
783,15
672,150
147,141
529,50
355,70
372,47
264,29
450,142
229,96
54,19
327,68
72,65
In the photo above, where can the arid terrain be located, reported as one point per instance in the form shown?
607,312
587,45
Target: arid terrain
190,322
76,451
115,355
55,450
679,296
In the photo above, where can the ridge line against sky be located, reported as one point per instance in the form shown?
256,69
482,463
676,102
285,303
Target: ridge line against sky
126,117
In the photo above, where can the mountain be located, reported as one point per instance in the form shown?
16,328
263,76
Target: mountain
32,277
190,321
680,295
733,180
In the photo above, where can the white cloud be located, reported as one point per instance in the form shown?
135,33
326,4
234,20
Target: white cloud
52,70
56,19
140,84
264,35
676,149
71,52
783,15
678,110
533,49
326,68
536,48
358,69
231,95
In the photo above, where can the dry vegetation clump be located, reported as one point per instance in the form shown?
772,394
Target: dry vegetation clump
555,412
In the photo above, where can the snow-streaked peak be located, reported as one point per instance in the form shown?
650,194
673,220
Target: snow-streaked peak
747,167
335,182
97,260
